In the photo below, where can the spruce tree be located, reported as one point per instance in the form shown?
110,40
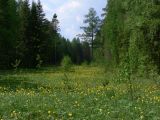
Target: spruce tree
33,41
77,52
8,33
24,16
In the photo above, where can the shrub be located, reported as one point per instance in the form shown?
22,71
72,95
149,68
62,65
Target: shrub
39,61
66,63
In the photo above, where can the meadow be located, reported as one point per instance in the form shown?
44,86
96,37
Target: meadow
84,93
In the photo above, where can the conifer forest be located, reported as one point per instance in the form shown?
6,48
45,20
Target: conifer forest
109,71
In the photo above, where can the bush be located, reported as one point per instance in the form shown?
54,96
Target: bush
39,61
66,63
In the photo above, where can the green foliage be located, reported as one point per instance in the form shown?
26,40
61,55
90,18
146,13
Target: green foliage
8,33
143,68
154,76
92,22
67,83
39,61
16,64
66,63
49,94
26,35
130,31
85,63
77,51
86,51
105,82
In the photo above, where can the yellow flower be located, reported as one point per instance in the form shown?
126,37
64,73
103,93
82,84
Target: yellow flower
49,112
69,114
141,117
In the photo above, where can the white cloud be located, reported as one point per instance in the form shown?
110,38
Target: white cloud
68,6
70,13
47,8
71,31
79,19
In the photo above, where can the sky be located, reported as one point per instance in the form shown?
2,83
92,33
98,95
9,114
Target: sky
71,13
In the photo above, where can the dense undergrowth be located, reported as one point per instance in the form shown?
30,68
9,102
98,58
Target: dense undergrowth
83,93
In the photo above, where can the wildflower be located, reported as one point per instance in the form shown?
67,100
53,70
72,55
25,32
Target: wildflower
49,112
100,110
76,102
69,114
141,117
96,99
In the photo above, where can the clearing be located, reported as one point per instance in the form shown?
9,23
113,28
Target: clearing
86,93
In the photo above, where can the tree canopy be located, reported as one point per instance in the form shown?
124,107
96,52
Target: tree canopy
131,33
28,39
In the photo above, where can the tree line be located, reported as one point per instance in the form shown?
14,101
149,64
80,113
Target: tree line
130,34
29,40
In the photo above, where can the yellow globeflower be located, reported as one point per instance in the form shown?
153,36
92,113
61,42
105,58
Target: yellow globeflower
49,112
141,117
69,114
76,102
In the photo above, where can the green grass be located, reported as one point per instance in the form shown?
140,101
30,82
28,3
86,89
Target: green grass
86,93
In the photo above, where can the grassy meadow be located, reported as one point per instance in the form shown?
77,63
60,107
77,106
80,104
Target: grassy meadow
84,93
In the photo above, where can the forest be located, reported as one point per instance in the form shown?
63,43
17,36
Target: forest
29,40
111,71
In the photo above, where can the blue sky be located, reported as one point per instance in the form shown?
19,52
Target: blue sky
71,13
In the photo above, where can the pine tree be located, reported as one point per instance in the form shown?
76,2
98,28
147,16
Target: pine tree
92,27
55,23
56,38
